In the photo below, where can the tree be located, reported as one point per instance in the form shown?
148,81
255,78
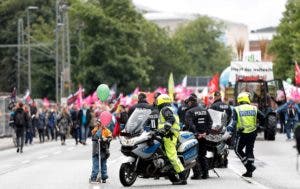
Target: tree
201,42
113,45
42,24
286,43
165,53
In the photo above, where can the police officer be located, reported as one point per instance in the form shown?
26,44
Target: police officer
244,119
169,122
218,105
199,122
181,113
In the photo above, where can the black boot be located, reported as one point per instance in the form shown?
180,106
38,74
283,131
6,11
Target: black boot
247,174
250,167
205,175
182,180
196,177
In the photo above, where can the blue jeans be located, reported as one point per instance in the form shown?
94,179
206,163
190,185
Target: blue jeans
50,132
95,168
29,137
84,133
77,134
289,126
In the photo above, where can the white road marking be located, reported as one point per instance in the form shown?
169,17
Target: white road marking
249,180
57,152
25,161
43,156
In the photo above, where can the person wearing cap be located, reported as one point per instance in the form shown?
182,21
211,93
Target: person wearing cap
218,105
199,122
244,121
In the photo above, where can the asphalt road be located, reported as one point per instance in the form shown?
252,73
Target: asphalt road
52,166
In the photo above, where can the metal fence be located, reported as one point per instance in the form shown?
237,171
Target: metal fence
5,130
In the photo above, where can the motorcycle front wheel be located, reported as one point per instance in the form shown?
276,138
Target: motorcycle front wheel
127,175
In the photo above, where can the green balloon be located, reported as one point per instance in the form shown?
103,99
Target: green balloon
289,80
103,92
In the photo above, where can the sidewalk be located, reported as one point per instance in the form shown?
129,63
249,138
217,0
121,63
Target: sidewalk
6,143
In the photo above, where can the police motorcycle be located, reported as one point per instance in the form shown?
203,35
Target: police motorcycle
217,149
141,142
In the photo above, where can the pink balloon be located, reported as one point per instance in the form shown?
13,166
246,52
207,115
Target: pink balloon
105,118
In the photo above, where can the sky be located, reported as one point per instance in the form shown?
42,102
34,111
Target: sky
254,13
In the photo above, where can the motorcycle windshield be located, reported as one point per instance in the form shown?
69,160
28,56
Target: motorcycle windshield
136,122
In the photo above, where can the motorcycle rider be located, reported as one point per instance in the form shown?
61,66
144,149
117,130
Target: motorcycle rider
199,122
169,122
221,106
244,119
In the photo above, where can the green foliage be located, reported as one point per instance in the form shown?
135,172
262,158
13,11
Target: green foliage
42,24
166,55
286,44
113,46
200,39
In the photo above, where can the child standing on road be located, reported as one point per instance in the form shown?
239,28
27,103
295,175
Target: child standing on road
100,135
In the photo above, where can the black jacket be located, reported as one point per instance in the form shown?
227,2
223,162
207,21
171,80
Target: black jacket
88,117
181,112
218,105
25,118
198,120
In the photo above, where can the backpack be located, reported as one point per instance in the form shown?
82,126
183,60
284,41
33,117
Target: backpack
51,120
291,112
20,119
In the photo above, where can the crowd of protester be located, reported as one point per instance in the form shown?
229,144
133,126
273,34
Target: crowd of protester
33,123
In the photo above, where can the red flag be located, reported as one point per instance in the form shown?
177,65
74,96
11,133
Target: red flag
297,74
213,84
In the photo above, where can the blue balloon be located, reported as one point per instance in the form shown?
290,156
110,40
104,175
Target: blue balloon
224,77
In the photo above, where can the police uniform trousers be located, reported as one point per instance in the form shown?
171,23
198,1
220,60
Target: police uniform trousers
245,140
202,163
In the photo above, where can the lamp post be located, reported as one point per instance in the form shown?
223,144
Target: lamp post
65,49
63,68
20,35
29,48
58,26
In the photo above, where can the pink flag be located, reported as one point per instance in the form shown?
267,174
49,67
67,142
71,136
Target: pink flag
88,100
94,97
297,74
79,100
161,90
46,103
136,91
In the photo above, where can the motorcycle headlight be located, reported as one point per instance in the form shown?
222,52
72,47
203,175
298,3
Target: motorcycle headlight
127,142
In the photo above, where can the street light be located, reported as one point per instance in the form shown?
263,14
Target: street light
29,48
58,26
